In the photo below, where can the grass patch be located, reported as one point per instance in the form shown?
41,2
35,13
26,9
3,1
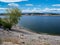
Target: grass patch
1,41
13,40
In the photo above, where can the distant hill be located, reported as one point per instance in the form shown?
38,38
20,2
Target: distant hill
35,14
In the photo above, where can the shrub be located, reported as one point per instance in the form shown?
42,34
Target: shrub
0,22
6,24
12,18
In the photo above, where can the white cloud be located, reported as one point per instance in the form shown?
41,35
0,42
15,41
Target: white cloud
56,5
31,10
28,10
29,4
32,5
13,4
3,8
52,10
12,0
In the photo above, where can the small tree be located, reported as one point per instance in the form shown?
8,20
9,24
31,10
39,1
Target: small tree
0,22
14,15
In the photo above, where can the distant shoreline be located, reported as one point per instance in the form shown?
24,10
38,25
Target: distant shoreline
35,15
41,14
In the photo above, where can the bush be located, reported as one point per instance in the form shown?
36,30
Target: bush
13,17
6,25
0,22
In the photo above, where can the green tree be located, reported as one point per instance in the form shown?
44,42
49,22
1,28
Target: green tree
0,22
13,16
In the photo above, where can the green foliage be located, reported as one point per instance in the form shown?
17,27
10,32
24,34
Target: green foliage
14,15
12,19
6,24
0,22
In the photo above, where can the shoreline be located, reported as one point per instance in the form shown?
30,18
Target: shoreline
33,32
40,15
26,29
35,15
22,36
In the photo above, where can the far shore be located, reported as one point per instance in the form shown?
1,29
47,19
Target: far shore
34,15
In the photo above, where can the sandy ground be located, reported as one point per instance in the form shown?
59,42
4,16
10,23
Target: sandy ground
20,36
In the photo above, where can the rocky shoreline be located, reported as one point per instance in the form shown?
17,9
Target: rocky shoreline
20,36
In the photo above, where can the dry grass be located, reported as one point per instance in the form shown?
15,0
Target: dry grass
1,41
13,40
45,43
17,41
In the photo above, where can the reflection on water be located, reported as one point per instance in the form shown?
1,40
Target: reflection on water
45,24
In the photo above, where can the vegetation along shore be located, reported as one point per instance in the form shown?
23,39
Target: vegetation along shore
11,34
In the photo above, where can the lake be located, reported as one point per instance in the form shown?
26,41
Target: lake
41,24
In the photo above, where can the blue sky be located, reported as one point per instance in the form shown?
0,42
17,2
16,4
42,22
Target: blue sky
32,5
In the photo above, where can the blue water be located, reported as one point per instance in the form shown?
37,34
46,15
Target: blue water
41,24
